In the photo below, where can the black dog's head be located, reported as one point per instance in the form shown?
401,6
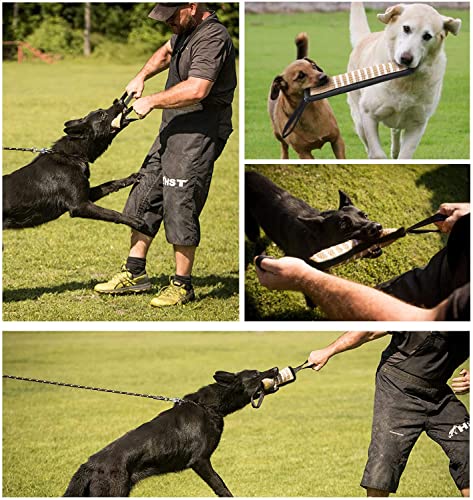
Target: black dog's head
336,226
96,130
242,386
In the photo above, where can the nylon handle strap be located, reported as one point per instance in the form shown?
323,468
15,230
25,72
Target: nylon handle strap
429,220
294,118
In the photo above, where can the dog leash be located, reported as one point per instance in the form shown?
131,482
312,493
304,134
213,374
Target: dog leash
353,249
347,82
100,389
270,385
31,150
124,99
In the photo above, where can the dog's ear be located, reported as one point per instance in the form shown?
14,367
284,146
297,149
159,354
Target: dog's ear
224,378
278,84
391,12
451,25
344,200
74,128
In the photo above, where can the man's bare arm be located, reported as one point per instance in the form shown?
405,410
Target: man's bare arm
347,341
186,93
157,63
339,298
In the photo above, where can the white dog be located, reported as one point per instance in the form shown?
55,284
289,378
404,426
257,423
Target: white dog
413,37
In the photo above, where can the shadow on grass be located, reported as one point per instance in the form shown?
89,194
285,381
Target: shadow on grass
447,183
221,287
253,312
20,294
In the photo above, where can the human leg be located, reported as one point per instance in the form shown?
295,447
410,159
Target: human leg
144,203
180,289
397,423
186,183
184,257
449,426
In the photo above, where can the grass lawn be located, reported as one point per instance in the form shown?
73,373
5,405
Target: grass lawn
270,48
310,439
49,271
393,195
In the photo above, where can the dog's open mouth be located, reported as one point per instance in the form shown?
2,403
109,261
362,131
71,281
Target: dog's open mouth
121,120
267,385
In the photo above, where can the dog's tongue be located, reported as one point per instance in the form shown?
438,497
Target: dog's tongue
117,121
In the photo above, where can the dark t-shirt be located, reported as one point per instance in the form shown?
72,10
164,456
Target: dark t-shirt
432,356
208,53
458,305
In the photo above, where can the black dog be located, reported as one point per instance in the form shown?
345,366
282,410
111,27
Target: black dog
297,228
183,437
57,182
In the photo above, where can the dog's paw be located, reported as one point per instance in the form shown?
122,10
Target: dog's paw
136,222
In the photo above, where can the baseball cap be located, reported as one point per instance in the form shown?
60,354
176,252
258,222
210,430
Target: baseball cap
163,11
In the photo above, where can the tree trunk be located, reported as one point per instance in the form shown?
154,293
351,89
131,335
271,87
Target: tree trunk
15,21
87,8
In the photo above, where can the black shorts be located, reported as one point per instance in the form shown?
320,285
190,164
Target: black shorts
174,186
403,409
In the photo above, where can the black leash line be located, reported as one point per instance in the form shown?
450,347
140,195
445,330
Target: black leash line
31,150
100,389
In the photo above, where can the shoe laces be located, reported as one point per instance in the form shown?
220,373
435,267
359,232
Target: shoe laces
123,276
173,290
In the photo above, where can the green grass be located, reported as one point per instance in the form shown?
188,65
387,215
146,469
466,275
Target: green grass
49,271
309,439
393,195
270,48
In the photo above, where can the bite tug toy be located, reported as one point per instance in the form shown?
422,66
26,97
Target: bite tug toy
346,82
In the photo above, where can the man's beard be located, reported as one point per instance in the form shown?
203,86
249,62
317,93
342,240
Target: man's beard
187,26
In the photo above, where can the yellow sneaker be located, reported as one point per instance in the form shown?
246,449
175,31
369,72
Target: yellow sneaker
172,295
123,282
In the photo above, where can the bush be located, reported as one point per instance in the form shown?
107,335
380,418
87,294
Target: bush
147,38
55,35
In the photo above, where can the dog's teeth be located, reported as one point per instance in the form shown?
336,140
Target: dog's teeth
116,121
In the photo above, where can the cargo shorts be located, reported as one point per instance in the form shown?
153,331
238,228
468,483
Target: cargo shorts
403,409
174,186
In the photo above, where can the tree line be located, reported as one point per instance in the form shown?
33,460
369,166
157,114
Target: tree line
96,28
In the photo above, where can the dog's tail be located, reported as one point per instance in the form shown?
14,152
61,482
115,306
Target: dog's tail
302,44
359,26
79,485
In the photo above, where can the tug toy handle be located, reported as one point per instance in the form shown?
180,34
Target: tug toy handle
260,259
126,98
304,366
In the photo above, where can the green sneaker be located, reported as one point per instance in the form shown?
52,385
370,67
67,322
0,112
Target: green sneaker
172,295
123,282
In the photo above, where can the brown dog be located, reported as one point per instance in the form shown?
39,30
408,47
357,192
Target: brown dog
317,124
